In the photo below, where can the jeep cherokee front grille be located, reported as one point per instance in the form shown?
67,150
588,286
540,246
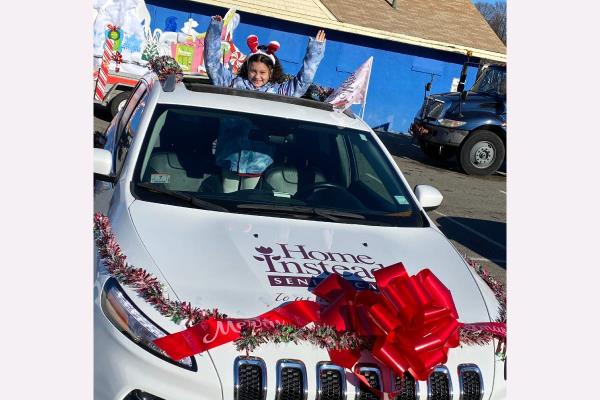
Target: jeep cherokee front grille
331,382
250,378
439,385
250,382
291,380
408,387
470,382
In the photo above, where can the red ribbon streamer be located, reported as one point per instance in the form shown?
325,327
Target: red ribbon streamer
412,320
215,332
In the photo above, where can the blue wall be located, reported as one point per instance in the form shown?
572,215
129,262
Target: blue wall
399,72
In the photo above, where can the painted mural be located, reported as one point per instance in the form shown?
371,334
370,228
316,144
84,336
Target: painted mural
127,23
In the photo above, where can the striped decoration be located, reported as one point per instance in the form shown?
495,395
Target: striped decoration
100,91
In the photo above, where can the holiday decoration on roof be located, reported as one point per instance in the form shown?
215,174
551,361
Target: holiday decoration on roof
164,66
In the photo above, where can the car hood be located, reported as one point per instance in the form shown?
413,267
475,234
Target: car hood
245,265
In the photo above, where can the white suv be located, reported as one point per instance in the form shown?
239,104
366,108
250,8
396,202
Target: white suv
330,201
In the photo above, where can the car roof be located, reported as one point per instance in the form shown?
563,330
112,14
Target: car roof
193,93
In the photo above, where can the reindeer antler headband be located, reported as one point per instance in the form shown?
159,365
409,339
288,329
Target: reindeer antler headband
272,47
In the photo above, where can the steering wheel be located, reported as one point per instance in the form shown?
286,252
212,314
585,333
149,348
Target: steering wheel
317,195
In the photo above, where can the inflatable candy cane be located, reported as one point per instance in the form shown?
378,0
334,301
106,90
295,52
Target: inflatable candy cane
100,91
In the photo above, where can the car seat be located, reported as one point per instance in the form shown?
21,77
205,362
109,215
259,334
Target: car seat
286,177
185,151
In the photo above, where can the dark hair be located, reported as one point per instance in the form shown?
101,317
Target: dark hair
277,74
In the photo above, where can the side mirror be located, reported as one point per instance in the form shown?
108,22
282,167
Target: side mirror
102,164
429,197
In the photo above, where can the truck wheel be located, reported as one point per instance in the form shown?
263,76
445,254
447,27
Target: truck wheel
118,102
437,152
482,153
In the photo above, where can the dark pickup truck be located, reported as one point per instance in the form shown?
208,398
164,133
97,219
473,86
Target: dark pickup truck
470,124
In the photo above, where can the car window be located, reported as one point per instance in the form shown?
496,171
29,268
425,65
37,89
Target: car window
256,164
367,174
128,125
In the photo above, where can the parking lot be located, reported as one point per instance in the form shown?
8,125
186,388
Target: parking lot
473,212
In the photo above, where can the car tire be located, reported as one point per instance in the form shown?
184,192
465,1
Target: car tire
437,152
481,153
117,102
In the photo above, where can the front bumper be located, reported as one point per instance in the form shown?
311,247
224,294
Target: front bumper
121,367
125,371
425,132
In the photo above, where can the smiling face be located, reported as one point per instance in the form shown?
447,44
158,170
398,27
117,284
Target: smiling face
259,73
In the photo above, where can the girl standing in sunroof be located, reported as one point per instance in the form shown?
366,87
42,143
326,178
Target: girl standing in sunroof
241,159
262,70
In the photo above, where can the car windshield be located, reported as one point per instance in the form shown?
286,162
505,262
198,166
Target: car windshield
263,165
492,80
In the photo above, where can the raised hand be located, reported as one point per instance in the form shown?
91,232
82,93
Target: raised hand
320,36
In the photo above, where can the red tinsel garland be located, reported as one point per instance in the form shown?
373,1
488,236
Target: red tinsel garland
147,286
471,334
494,284
150,289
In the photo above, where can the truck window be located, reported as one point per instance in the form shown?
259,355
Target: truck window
491,80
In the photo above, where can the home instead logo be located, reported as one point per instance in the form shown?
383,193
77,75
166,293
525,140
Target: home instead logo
297,265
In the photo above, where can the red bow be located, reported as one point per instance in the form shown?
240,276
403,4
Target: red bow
272,47
412,320
112,27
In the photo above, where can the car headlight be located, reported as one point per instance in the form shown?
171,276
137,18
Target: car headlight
127,318
450,123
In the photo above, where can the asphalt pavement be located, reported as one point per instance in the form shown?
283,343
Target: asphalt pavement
473,212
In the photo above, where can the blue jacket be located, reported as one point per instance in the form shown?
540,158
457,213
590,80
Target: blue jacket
235,150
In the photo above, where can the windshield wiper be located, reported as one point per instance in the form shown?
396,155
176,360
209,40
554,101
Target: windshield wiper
332,215
187,198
